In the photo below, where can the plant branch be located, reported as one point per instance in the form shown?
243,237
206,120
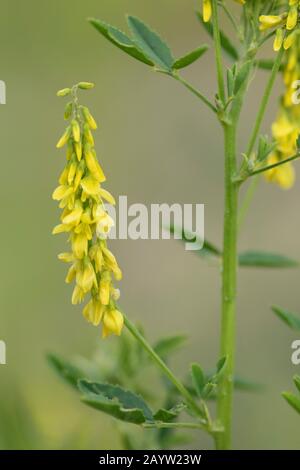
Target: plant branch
165,369
274,165
264,103
194,91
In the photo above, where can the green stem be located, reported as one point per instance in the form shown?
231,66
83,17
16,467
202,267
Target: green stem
194,91
164,368
264,102
225,395
218,50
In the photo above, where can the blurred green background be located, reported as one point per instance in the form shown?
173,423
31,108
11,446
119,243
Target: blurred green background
157,144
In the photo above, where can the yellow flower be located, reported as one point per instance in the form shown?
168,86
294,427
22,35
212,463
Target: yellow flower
84,216
207,8
113,322
287,20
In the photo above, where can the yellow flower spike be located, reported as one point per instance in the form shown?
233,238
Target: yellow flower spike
85,218
113,322
207,10
64,138
75,130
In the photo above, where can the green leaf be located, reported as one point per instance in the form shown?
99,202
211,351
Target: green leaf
241,76
225,41
296,380
264,259
169,415
242,384
198,378
119,39
166,346
114,400
292,400
208,249
190,58
289,318
67,371
150,44
221,365
266,64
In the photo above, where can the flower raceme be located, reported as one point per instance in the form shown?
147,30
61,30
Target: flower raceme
285,25
286,128
81,198
207,8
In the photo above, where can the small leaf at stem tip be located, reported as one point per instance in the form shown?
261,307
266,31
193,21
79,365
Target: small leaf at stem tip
264,259
292,400
198,378
190,58
287,317
150,44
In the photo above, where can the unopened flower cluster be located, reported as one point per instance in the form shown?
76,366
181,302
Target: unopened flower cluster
84,217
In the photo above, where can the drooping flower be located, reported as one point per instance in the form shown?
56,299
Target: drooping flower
207,8
86,219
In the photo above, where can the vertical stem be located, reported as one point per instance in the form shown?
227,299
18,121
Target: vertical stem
224,402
